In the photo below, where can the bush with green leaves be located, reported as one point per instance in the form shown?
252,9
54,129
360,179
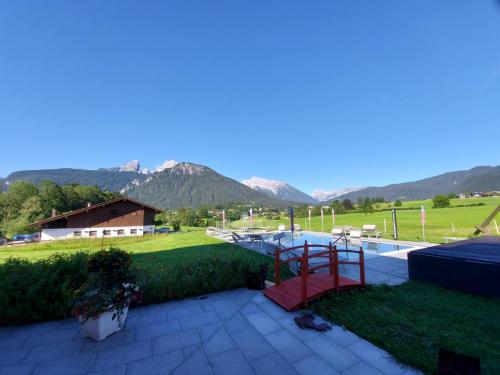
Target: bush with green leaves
41,290
441,201
32,291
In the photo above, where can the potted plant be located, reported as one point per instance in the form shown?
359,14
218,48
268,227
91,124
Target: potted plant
103,301
257,280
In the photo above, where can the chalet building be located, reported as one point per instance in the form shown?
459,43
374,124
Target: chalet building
117,217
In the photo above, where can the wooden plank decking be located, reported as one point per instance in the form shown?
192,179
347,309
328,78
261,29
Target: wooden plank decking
288,294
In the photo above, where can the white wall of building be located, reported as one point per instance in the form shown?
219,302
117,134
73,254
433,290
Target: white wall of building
72,233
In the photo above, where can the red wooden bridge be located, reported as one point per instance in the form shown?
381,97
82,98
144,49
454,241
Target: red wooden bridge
296,292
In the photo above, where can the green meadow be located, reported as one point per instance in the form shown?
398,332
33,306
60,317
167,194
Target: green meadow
440,222
191,241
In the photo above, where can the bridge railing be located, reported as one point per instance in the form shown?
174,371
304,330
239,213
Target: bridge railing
331,253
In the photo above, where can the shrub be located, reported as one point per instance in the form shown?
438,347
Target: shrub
207,274
46,289
398,203
41,290
176,224
441,201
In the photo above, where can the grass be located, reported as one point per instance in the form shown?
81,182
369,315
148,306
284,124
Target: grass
143,244
151,253
438,224
412,320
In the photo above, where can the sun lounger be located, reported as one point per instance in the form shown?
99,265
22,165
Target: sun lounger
237,238
370,230
337,231
281,227
356,233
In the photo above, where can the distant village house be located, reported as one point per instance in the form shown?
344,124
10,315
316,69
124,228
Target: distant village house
117,217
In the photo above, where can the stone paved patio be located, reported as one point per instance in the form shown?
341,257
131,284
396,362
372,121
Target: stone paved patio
234,332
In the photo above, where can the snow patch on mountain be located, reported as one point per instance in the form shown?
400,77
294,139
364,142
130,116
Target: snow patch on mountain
131,166
258,183
166,165
278,189
326,195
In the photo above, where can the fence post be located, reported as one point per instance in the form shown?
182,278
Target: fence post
362,266
336,267
305,266
277,277
330,258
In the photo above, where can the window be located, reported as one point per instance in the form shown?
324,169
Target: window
133,231
121,232
77,233
106,232
92,233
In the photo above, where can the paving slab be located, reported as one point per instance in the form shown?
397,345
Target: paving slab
117,339
174,341
119,370
263,323
273,364
219,342
159,329
81,364
292,349
362,368
376,357
123,355
231,332
337,356
252,344
195,364
14,341
231,363
196,320
12,356
236,323
315,365
158,365
17,370
39,354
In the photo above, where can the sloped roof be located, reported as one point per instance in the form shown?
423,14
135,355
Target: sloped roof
94,206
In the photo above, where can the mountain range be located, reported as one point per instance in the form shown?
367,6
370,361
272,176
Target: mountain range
477,179
173,184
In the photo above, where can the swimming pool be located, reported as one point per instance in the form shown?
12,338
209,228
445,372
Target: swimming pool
370,247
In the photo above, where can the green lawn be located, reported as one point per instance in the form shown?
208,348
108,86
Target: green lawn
412,320
438,224
191,241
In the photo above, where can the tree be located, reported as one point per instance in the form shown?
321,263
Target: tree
398,203
14,198
162,218
51,197
441,201
203,212
176,224
347,203
338,207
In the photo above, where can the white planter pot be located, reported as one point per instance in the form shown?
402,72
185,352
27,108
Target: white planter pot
102,326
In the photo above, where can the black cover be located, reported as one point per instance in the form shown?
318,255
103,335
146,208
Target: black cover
471,266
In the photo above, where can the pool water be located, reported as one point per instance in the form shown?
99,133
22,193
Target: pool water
369,247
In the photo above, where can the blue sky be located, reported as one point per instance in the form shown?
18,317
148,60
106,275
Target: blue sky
319,94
